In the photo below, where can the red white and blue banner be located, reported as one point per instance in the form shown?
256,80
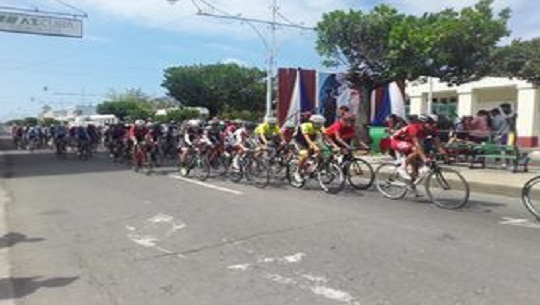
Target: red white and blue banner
302,91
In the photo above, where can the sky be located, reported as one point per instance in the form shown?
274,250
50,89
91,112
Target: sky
128,44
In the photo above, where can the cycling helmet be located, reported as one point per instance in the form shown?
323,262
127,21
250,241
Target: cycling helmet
290,125
139,123
317,119
194,123
271,120
249,125
425,118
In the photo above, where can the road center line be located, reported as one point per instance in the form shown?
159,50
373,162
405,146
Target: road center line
207,185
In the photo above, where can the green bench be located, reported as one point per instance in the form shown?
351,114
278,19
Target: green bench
511,154
458,152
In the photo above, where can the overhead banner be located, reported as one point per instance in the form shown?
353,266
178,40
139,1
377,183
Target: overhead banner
40,25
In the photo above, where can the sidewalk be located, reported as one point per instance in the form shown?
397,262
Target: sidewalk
497,181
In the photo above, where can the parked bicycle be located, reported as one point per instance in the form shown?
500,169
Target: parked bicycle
445,187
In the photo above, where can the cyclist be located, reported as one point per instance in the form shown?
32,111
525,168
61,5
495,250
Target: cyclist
59,133
341,134
409,142
32,135
269,132
192,135
287,131
82,137
140,134
309,141
241,142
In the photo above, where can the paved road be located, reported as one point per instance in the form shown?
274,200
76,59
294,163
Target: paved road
95,233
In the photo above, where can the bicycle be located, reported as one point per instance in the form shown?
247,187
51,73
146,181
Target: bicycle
84,150
143,157
325,169
358,172
530,196
61,148
445,180
195,163
256,170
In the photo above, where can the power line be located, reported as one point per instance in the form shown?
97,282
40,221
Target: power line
84,14
270,46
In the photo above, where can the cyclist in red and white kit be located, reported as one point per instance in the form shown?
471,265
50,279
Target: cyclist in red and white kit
409,142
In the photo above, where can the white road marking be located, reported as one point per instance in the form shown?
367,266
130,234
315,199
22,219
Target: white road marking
520,222
145,241
290,259
315,284
242,267
317,289
315,278
154,230
294,258
207,185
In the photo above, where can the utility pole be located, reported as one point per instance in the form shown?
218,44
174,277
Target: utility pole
271,60
270,44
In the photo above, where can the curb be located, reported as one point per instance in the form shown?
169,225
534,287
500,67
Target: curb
7,291
495,189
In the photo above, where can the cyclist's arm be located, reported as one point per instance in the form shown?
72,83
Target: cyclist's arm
311,143
419,148
263,138
187,140
339,140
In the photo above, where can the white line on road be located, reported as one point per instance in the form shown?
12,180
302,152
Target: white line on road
518,222
207,185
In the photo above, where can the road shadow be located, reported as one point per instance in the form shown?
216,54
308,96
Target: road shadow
13,238
18,287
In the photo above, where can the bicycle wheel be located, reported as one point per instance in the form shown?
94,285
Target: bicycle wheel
220,165
292,167
359,173
388,181
258,170
530,196
331,178
200,168
447,189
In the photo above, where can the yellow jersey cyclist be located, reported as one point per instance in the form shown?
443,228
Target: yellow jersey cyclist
310,141
268,132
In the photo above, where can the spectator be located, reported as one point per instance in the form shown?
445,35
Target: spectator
462,129
394,123
445,126
343,110
480,130
510,127
498,121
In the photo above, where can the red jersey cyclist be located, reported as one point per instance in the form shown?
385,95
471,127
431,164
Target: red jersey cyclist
409,142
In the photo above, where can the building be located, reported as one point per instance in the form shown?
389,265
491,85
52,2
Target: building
487,94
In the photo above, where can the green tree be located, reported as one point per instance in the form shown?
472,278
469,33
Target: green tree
30,121
217,87
131,104
181,114
520,59
383,45
49,121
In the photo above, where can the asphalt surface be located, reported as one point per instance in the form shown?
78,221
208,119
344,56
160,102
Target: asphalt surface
97,233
